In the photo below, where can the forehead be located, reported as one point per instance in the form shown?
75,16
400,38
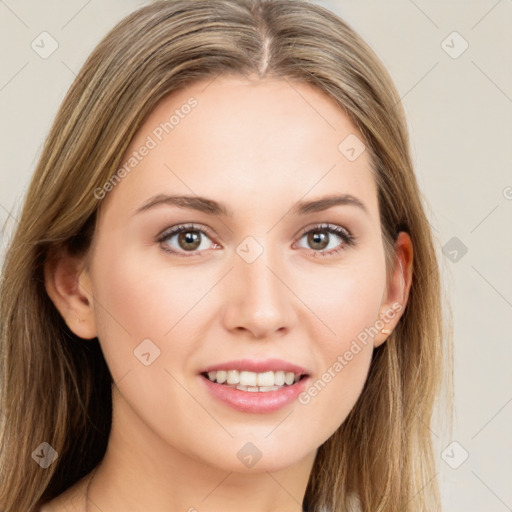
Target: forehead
249,140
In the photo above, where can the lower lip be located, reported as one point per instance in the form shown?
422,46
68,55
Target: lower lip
256,401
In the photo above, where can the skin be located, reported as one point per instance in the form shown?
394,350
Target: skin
258,147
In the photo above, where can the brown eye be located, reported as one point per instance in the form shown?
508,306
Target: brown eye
318,240
189,240
184,239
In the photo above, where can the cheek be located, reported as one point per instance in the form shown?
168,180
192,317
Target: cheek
142,296
136,301
348,308
348,304
141,313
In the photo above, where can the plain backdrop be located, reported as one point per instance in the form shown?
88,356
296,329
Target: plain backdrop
452,64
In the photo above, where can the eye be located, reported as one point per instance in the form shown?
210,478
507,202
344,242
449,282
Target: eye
320,237
184,239
191,239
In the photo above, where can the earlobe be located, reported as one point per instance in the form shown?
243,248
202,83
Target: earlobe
68,286
398,289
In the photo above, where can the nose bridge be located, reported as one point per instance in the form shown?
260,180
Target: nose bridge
260,302
259,280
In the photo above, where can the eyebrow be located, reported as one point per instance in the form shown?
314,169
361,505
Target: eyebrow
212,207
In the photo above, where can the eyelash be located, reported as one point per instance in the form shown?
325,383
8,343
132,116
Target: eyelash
345,235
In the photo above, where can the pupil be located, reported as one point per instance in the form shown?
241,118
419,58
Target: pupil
318,237
189,237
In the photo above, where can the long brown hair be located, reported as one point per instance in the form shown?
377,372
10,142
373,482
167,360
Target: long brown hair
56,388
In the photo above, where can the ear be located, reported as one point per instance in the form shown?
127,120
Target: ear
397,292
68,286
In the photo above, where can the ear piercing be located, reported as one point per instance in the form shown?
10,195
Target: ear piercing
385,331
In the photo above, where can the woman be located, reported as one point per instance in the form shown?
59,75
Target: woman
223,290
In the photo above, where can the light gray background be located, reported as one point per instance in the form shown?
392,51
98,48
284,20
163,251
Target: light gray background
459,112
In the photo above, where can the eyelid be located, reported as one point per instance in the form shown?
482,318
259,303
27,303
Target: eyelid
326,226
183,227
178,228
347,237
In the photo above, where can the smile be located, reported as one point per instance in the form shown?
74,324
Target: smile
252,381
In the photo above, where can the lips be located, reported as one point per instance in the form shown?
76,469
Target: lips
251,365
255,399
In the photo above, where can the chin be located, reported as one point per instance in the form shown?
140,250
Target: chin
258,456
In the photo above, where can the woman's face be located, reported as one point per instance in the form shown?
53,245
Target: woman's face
256,274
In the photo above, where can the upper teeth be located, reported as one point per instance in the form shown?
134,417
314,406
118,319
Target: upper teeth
245,378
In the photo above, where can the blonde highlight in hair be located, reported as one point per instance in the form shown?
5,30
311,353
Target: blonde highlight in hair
56,387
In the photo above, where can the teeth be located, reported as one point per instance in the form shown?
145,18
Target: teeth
279,378
233,377
252,381
266,379
247,388
248,378
257,388
289,377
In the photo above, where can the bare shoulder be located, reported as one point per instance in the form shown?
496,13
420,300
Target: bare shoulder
71,500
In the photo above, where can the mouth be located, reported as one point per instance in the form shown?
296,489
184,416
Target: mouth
255,382
255,386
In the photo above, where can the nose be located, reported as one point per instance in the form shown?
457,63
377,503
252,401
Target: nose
259,300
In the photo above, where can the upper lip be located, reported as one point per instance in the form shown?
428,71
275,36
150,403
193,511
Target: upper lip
253,365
